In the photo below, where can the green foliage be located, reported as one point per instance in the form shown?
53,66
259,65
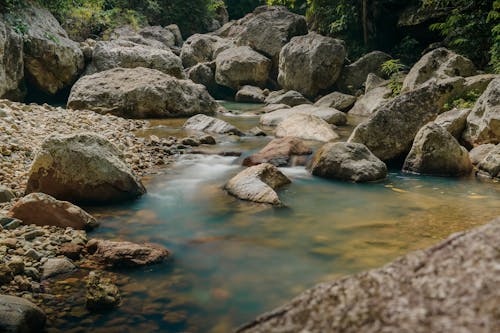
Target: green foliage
52,37
494,19
394,70
463,102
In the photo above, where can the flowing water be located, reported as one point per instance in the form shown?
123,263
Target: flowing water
234,260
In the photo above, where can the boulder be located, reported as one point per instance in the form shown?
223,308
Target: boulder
158,37
52,61
42,209
373,81
204,123
250,94
490,165
453,121
118,254
273,107
239,66
11,63
56,266
290,98
438,64
330,115
347,161
6,194
337,100
279,152
204,74
371,101
480,152
311,63
126,54
483,123
200,48
354,75
307,127
436,152
18,315
82,167
102,294
439,289
258,184
140,93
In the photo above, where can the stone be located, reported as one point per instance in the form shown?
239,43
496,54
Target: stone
18,315
483,122
5,275
42,209
480,152
126,254
291,98
70,250
126,54
337,100
273,107
371,101
16,265
436,152
258,184
256,131
11,63
490,165
204,123
164,38
204,74
207,140
354,76
439,289
82,167
330,115
239,66
6,194
250,94
278,152
140,93
193,142
307,127
453,121
438,64
56,266
200,48
373,81
347,161
102,294
311,63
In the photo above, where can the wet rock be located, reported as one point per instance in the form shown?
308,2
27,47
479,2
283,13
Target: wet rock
290,98
256,131
239,66
440,289
480,152
18,315
129,254
278,152
42,209
307,127
82,167
140,93
490,165
347,161
207,140
354,75
250,94
483,123
56,266
371,101
6,194
258,184
453,121
337,100
204,123
102,294
200,48
330,115
190,142
311,63
70,250
11,63
436,152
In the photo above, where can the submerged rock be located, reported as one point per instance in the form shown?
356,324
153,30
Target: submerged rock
290,98
42,209
347,161
307,127
337,100
18,315
101,294
258,184
204,123
279,152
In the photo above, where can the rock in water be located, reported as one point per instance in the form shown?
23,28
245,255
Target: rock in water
118,254
140,93
483,123
250,94
278,152
337,101
42,209
57,266
330,115
436,152
11,63
490,165
290,98
18,315
102,294
204,123
258,184
347,161
82,167
311,63
307,127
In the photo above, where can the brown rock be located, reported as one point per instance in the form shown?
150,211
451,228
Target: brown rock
278,152
71,250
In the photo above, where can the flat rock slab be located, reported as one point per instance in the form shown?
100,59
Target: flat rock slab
307,127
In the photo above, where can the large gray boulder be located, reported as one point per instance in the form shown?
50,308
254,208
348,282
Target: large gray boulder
483,123
239,66
290,98
490,164
311,63
453,121
477,154
18,315
140,93
371,101
307,127
11,63
250,94
82,167
330,115
52,61
337,100
200,48
436,152
439,289
126,54
353,76
204,74
438,64
158,37
347,161
204,123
